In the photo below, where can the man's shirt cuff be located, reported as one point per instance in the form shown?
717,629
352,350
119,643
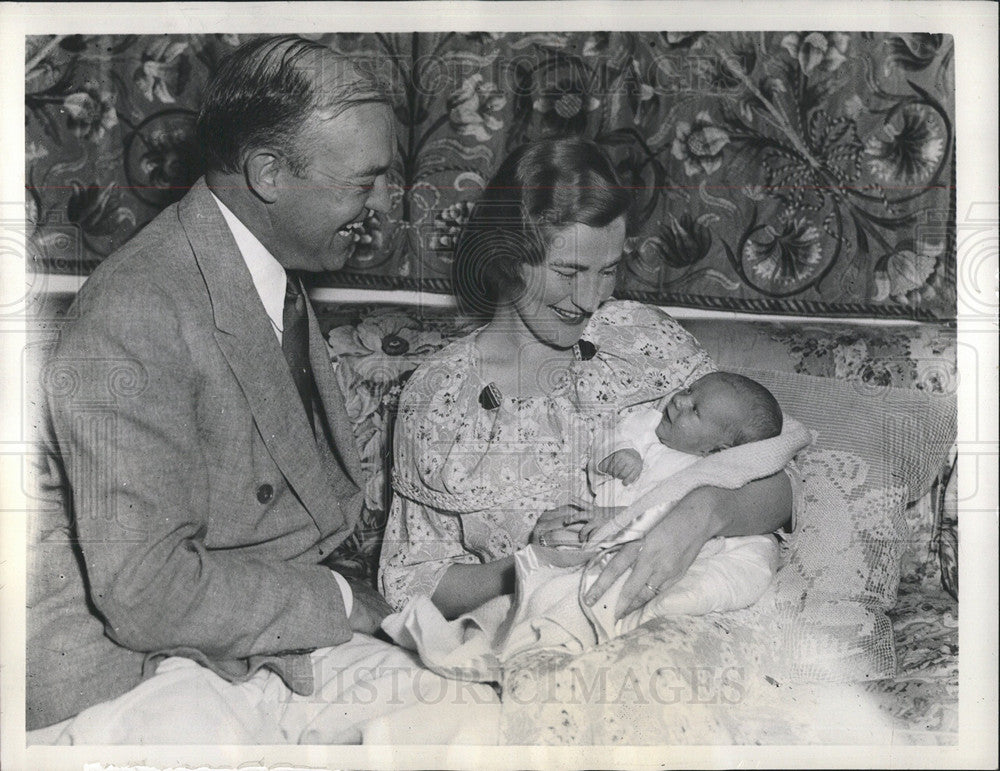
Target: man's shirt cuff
345,590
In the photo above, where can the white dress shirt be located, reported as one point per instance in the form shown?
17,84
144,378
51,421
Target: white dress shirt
269,280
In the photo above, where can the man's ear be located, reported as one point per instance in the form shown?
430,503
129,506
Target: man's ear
264,171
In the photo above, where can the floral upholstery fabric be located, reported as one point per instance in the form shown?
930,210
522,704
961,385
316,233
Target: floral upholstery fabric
788,172
374,353
923,697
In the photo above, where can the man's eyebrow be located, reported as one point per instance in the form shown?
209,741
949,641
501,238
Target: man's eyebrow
371,171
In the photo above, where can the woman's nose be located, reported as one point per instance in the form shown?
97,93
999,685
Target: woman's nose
588,293
378,198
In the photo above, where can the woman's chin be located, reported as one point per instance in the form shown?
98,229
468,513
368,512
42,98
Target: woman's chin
564,340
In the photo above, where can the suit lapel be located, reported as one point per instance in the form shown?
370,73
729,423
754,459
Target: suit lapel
344,444
248,342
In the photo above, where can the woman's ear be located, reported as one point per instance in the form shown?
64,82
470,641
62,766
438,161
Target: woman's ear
263,170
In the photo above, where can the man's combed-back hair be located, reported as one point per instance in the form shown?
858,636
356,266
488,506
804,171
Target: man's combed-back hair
539,189
264,92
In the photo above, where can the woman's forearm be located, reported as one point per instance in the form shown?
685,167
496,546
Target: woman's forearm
464,587
762,506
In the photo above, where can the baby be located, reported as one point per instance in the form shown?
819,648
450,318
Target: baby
718,411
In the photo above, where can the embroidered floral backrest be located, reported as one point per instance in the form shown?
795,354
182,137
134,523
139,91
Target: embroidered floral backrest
782,171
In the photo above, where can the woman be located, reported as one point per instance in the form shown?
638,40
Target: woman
493,434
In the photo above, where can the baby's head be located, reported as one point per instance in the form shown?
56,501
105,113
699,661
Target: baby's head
719,410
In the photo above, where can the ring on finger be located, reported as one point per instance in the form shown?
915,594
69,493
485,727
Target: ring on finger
652,589
542,540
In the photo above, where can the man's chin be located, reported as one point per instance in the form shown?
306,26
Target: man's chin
339,252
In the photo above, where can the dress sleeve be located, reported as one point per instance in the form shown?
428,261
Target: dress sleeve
798,500
420,544
643,354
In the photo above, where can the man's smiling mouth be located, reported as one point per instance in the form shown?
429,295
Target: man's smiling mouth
352,228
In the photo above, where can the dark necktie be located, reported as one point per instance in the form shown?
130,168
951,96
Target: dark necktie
295,341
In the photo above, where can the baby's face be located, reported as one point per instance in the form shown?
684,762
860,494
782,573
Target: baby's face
698,420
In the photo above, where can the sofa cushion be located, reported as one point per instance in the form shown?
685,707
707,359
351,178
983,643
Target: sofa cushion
873,453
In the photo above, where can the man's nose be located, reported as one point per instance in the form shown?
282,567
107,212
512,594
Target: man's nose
682,401
378,198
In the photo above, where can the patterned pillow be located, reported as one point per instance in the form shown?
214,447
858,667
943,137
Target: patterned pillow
874,451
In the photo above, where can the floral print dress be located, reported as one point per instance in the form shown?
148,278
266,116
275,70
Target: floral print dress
472,477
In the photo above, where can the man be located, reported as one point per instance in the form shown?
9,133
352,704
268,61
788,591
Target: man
205,471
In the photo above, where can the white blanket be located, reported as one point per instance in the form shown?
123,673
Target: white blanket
545,611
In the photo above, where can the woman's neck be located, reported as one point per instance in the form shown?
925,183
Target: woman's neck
514,359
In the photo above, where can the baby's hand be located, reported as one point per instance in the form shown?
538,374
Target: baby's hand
625,465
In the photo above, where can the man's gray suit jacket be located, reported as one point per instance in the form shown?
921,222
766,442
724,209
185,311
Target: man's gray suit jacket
184,504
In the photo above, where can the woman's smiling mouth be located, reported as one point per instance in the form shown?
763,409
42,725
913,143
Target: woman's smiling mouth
570,317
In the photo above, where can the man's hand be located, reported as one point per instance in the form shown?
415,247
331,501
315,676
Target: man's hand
369,608
625,465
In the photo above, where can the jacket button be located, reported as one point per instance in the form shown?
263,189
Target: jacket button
265,493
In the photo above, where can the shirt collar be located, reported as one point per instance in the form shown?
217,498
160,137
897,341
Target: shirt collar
266,272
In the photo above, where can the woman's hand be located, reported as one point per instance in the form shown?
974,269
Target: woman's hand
665,553
569,524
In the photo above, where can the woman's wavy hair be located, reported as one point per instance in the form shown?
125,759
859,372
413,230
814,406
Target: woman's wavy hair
265,90
539,189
